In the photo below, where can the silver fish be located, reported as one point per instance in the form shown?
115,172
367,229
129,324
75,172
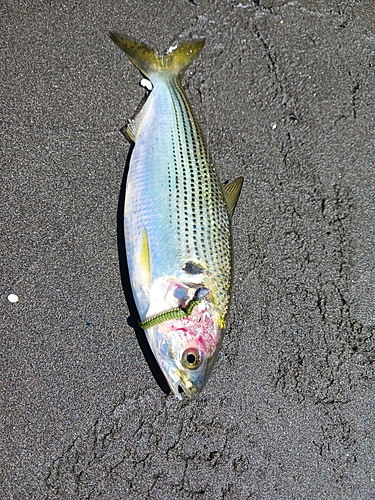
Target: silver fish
177,220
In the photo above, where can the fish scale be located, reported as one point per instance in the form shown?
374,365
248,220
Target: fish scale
177,220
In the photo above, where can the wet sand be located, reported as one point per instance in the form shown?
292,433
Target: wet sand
284,92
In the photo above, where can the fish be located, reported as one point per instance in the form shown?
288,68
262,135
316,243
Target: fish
177,222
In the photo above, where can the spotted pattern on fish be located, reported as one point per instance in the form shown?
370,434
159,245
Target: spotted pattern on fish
197,199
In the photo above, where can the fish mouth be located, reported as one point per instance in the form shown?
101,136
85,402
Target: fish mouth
192,389
180,387
180,383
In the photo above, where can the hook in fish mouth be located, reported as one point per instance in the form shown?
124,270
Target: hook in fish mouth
176,312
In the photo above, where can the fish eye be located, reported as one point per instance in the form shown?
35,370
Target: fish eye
191,358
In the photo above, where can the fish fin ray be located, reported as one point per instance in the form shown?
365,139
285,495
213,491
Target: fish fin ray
145,259
232,192
149,62
130,130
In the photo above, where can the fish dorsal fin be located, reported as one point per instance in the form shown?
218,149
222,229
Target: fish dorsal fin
144,258
231,193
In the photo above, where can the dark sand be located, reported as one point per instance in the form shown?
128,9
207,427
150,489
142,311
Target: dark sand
284,91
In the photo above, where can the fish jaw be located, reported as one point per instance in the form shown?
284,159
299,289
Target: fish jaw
186,349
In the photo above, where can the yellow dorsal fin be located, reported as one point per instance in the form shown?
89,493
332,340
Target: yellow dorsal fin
231,193
144,259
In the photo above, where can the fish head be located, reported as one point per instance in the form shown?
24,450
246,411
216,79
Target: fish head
186,348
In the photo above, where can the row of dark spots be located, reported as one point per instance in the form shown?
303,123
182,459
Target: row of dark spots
200,180
193,124
170,189
176,159
189,202
211,217
211,189
217,224
201,155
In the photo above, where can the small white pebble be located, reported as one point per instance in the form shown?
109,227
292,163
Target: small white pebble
146,84
273,126
13,298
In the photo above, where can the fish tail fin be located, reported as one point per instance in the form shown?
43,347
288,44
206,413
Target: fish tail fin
174,62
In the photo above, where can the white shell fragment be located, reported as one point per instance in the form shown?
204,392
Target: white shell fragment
172,48
146,84
13,298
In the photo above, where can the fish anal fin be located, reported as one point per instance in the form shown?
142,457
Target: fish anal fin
130,131
232,193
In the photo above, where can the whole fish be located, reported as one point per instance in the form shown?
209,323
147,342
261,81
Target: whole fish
177,221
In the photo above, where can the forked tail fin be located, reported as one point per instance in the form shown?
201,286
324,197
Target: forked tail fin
149,62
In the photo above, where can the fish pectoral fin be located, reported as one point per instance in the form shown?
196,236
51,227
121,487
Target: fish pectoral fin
232,193
145,259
